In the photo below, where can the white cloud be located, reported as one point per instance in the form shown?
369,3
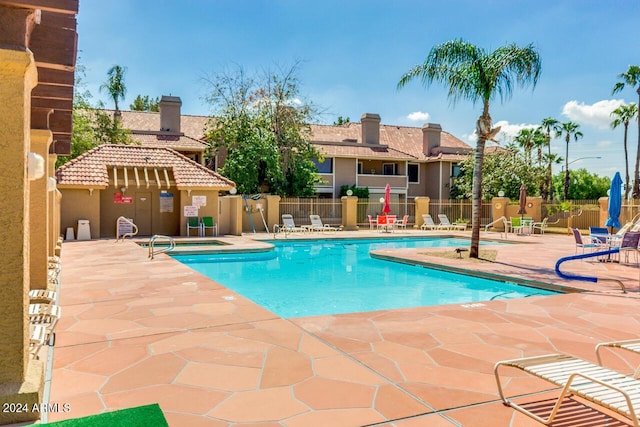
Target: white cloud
597,114
418,116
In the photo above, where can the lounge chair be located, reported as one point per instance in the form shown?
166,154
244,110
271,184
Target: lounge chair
37,338
317,225
193,223
444,222
539,226
429,224
42,296
602,386
629,345
209,224
289,225
584,242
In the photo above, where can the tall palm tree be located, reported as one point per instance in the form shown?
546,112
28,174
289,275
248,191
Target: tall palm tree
548,123
524,139
622,116
570,130
631,77
114,86
474,74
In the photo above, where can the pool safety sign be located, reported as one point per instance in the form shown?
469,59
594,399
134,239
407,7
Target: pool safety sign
199,201
190,211
166,202
119,199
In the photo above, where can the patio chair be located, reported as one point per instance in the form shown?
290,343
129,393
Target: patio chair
599,233
403,224
584,242
289,225
381,222
444,222
539,226
595,384
317,225
372,222
193,223
629,243
209,224
42,296
428,223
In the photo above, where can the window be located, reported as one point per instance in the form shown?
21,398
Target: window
455,171
413,171
360,168
324,167
388,168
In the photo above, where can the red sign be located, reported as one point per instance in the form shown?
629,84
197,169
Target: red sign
118,198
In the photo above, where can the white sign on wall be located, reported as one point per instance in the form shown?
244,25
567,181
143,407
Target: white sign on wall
199,201
190,211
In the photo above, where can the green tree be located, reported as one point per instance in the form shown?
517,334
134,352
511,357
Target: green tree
569,130
144,103
631,77
548,124
115,86
477,75
525,140
262,127
502,170
341,121
584,185
622,116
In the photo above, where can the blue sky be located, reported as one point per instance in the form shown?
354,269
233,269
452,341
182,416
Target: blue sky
353,53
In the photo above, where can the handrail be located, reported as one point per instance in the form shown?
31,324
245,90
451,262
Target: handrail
129,228
152,240
504,220
588,278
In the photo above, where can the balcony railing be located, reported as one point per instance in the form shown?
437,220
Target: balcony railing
380,181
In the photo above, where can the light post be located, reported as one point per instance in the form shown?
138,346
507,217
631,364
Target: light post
566,176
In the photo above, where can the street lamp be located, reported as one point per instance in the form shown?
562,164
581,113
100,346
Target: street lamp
566,174
581,158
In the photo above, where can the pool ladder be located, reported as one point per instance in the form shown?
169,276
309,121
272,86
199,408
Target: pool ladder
153,251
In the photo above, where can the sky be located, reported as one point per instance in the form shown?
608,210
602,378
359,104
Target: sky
352,54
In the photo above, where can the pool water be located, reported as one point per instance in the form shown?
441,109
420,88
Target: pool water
310,278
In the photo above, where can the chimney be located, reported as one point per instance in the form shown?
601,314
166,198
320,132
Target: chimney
430,138
170,114
370,128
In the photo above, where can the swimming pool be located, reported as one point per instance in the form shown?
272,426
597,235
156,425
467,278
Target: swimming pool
310,278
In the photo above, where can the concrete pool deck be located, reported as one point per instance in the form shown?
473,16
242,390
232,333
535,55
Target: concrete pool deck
136,331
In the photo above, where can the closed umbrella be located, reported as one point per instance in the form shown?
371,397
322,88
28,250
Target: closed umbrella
523,200
387,200
615,202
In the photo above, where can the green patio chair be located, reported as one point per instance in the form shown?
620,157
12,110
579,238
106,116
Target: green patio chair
193,222
208,223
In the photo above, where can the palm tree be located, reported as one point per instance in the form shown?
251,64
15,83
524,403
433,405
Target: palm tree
474,74
524,139
622,116
569,129
631,77
114,86
547,124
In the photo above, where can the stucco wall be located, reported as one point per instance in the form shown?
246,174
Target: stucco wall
345,173
80,204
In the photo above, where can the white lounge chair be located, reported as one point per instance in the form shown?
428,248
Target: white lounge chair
288,226
444,222
602,386
317,225
428,223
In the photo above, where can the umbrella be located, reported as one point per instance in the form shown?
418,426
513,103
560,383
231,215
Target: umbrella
615,201
387,200
523,200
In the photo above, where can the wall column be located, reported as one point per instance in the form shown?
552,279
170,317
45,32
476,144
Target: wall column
38,211
20,377
604,210
273,211
350,213
53,217
422,208
498,209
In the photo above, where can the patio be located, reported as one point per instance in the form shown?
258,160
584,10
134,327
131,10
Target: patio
136,331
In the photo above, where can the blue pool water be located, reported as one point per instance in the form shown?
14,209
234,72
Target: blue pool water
309,278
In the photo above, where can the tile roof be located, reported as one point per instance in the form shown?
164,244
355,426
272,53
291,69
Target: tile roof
177,142
396,142
91,168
